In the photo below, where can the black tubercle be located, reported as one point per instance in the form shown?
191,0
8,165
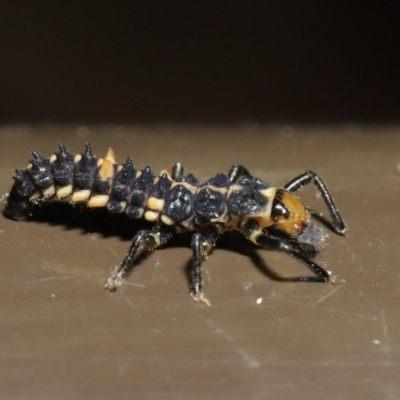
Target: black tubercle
179,203
247,199
139,192
19,205
190,178
250,182
62,169
161,187
85,169
209,204
40,171
23,184
219,181
122,186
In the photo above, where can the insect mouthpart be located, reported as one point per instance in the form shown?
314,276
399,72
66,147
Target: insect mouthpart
312,236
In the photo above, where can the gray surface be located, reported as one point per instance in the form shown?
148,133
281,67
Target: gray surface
63,336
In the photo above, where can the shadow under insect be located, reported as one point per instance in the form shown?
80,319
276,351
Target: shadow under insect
79,217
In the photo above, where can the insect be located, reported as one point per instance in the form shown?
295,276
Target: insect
175,203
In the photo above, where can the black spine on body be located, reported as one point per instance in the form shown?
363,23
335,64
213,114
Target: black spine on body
139,192
190,178
161,187
122,186
179,200
85,169
40,176
32,183
219,181
179,203
37,178
62,169
209,204
40,171
19,205
247,200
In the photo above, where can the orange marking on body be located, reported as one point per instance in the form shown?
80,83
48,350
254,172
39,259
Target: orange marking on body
110,156
106,170
298,215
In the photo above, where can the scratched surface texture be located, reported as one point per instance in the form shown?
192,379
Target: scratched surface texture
63,336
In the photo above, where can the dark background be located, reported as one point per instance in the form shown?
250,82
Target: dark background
201,62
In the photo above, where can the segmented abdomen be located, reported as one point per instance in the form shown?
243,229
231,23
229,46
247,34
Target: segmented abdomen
184,202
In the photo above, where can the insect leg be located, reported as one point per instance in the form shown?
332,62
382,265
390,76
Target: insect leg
309,176
143,240
236,172
254,233
202,244
274,243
